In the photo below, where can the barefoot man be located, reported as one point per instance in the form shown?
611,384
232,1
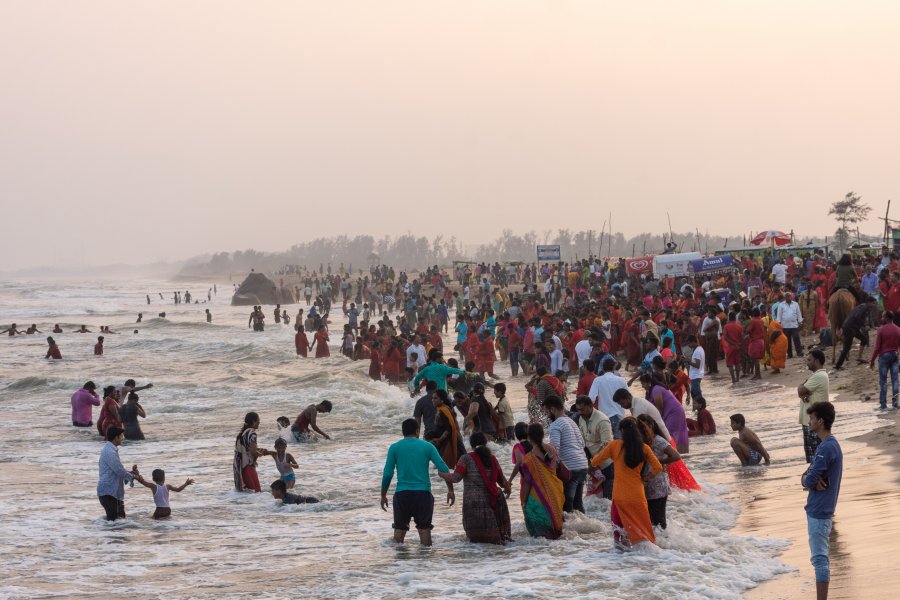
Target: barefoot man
746,445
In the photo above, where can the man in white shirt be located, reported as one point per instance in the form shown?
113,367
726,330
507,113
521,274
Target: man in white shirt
779,271
711,329
639,406
556,358
419,349
602,390
597,433
695,366
789,316
583,350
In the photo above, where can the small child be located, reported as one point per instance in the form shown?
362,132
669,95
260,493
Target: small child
160,491
284,462
279,492
505,411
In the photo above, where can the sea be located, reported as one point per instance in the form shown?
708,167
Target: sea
221,543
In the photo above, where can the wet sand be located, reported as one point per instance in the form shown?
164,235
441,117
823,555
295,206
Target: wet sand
866,526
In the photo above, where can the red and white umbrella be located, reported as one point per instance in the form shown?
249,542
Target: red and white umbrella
773,237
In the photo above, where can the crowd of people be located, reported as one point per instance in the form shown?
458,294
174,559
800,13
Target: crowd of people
569,332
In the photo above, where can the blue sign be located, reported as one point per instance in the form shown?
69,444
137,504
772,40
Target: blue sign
548,253
711,264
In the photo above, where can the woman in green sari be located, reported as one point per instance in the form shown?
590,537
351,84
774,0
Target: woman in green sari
542,494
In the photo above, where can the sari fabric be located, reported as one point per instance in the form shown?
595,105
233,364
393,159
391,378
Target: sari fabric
543,507
451,449
629,500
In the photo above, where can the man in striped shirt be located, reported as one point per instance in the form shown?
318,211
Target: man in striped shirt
566,438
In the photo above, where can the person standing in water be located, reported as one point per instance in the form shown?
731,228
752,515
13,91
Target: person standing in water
822,480
98,347
113,476
412,496
82,402
52,349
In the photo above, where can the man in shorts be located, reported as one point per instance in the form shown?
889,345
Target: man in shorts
747,446
412,496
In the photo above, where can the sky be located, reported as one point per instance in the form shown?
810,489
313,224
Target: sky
145,131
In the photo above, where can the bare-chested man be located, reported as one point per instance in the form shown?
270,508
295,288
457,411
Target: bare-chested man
307,419
747,446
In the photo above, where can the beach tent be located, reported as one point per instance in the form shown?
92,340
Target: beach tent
674,265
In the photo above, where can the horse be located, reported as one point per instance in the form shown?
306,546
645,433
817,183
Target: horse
840,304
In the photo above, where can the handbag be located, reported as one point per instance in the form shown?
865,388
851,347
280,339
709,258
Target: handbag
562,471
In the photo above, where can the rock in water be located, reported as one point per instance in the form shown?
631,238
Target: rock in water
259,289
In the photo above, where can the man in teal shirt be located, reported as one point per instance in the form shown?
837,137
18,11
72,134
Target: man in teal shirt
436,371
412,496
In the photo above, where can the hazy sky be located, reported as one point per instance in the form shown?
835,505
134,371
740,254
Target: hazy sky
140,131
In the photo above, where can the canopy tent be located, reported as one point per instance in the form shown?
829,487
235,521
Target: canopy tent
772,237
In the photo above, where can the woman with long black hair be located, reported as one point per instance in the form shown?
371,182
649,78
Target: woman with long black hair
484,511
245,454
629,512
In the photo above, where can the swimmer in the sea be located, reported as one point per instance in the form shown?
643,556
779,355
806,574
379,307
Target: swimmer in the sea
83,329
53,349
12,331
279,492
307,420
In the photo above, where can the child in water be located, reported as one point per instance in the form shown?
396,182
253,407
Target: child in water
284,462
160,491
279,492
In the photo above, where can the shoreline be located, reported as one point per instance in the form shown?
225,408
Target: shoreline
863,523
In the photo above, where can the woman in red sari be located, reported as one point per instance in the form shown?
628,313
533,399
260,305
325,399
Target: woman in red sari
484,355
301,342
320,343
375,362
632,341
756,341
393,361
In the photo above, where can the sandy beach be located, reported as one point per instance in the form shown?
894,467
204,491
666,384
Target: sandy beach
864,525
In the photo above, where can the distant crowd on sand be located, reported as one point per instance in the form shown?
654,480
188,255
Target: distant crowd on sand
571,330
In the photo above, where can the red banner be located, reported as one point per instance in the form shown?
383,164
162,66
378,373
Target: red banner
639,265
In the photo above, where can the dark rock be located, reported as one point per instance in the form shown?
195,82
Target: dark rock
258,289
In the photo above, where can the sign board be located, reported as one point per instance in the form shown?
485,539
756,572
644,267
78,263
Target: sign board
548,253
638,266
712,264
674,265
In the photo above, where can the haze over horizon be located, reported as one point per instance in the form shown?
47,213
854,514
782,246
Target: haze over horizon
143,132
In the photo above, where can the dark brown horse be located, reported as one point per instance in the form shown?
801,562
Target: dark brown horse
840,305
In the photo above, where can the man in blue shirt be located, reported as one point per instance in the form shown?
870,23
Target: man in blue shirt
822,480
412,496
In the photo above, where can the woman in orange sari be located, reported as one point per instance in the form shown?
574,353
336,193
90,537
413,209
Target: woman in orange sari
777,349
542,494
629,512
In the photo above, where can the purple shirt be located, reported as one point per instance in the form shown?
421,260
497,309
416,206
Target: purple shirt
82,401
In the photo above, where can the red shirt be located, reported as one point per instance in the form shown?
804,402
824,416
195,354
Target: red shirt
886,340
584,384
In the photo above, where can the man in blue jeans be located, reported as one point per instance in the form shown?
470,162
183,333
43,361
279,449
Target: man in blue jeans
566,437
822,480
887,342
